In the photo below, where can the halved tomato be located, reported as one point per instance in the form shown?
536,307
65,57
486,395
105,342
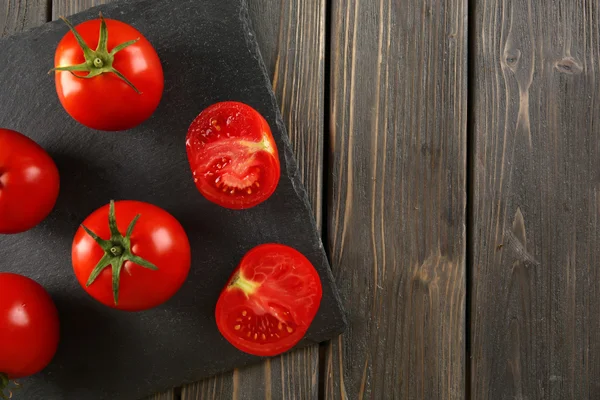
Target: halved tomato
233,156
270,300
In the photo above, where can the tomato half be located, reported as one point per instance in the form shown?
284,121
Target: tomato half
122,85
131,255
29,182
29,327
233,156
270,300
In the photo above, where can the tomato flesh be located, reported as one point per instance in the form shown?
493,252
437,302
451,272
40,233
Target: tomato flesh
270,301
29,182
29,326
233,156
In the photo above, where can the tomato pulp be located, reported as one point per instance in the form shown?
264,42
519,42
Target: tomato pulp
29,327
233,156
137,270
270,300
29,182
108,101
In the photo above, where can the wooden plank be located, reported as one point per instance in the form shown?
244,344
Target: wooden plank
19,15
291,36
397,195
292,42
536,207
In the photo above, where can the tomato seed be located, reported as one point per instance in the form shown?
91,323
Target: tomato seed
280,326
263,337
249,191
290,330
255,336
244,313
257,184
237,327
248,335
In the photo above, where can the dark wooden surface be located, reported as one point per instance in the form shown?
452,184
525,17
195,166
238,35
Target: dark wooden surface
396,198
19,15
535,296
374,95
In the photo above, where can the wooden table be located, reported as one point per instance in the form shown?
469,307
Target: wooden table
459,197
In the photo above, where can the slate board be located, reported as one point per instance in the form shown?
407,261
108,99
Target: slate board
209,54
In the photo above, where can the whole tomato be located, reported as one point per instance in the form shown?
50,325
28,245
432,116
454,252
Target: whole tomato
270,300
131,255
29,182
115,87
29,328
232,155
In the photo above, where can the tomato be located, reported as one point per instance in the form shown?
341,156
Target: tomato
29,327
154,253
270,300
232,155
29,183
104,89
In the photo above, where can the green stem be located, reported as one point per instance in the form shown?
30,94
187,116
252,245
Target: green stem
117,250
246,286
5,391
99,61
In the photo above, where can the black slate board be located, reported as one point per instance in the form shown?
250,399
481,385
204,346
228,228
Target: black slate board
209,54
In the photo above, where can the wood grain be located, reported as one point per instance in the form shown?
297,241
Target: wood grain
536,206
397,195
19,15
291,36
292,42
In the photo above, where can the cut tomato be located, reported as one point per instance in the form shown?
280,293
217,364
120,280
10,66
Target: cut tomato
270,300
233,156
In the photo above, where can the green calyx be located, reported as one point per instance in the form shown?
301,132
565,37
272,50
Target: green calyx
99,61
117,250
6,392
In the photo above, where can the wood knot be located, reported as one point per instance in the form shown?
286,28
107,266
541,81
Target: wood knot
512,57
568,65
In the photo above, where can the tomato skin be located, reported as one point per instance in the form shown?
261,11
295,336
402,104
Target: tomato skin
29,326
106,102
29,182
233,156
270,300
157,237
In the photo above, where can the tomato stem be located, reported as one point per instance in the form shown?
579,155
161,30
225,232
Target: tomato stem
4,386
97,61
117,251
246,286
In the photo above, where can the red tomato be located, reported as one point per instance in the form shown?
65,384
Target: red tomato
124,88
154,253
270,300
29,183
233,156
29,327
